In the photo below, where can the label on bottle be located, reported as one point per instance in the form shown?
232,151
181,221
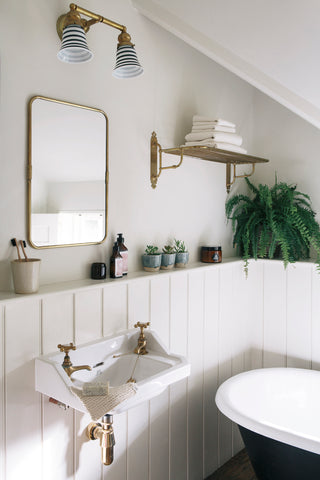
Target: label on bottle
124,255
118,263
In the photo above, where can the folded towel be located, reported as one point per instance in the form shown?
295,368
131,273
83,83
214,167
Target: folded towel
217,136
220,145
97,406
220,121
212,126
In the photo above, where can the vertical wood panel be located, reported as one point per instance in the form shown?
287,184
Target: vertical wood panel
178,392
315,357
159,406
211,370
239,341
138,418
88,326
88,315
2,396
138,302
275,315
23,436
254,311
115,314
58,426
299,316
115,318
225,358
195,383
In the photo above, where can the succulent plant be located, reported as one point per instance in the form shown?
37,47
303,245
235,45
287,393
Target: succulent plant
179,246
152,250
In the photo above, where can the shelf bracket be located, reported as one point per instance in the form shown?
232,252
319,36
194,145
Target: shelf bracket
154,170
230,182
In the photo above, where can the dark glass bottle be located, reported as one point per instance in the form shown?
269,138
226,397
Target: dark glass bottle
123,252
116,262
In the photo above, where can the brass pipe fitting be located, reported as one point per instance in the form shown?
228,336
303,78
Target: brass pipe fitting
104,432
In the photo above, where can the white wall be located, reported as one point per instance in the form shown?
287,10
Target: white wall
291,144
178,82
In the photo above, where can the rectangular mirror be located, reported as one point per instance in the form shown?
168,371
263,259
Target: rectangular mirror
67,174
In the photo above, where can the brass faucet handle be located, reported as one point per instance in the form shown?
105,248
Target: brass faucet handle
142,326
66,348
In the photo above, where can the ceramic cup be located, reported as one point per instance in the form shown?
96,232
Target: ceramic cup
26,275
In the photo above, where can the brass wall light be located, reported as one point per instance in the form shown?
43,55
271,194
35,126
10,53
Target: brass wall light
72,28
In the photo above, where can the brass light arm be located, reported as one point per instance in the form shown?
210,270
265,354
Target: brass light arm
74,17
98,18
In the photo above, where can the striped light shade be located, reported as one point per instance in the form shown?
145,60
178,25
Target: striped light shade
74,48
127,63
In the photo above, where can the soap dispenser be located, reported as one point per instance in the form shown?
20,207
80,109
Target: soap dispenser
123,252
116,262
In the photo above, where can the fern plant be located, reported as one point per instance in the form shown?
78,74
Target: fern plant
273,222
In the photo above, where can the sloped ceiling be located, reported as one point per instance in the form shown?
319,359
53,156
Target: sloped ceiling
273,45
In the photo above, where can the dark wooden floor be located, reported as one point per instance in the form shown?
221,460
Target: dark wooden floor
237,468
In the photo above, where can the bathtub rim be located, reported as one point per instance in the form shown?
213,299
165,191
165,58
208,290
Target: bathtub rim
303,441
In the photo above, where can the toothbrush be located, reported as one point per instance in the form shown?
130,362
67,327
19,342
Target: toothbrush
15,244
23,244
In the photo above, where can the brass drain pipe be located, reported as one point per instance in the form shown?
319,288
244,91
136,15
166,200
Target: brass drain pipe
104,432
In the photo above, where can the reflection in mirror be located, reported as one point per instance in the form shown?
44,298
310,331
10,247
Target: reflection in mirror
67,174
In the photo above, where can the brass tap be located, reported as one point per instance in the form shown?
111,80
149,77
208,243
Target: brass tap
67,365
103,431
142,341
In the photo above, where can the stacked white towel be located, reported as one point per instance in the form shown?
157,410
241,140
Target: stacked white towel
217,133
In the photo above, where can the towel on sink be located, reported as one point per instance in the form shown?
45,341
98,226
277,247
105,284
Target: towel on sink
98,406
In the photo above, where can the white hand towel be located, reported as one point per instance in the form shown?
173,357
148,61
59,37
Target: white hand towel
212,126
220,145
218,137
220,121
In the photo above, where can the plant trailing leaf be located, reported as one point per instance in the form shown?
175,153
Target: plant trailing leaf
274,221
151,250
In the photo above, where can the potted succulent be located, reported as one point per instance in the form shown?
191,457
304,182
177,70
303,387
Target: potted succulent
168,257
151,259
274,222
182,254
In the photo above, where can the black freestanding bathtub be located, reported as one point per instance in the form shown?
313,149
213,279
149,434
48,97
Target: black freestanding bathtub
278,414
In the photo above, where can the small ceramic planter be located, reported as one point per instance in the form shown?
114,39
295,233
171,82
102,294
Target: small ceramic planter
151,263
167,261
182,259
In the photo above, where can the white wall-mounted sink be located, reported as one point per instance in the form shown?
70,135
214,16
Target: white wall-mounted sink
112,360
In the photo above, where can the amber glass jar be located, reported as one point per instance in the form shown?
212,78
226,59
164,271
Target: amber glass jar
211,254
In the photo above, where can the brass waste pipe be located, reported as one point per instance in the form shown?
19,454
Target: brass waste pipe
104,432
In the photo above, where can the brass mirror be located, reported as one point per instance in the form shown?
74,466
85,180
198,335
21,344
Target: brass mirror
67,174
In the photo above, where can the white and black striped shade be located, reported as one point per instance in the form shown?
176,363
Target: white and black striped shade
127,63
74,48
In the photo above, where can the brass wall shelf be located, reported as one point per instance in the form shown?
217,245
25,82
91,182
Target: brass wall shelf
205,153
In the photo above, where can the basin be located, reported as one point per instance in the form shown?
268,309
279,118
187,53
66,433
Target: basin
112,360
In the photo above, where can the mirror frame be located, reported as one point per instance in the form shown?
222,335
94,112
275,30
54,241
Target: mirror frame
29,171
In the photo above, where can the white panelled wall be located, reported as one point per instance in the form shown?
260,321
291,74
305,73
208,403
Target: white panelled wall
224,324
